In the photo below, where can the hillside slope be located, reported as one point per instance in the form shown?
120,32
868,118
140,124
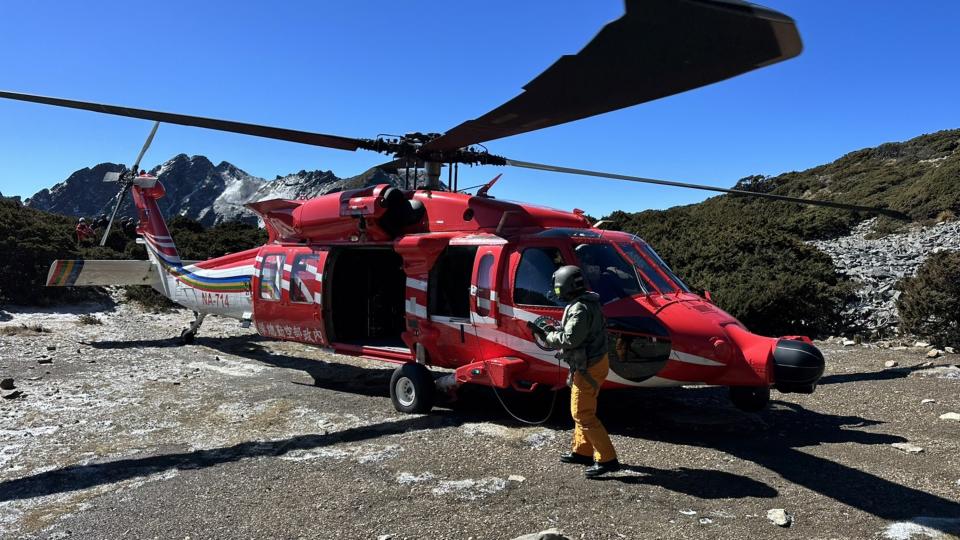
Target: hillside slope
753,255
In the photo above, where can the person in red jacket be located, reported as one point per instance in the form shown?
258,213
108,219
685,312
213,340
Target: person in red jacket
84,231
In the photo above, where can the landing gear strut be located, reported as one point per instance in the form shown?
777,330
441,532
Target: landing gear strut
188,334
750,398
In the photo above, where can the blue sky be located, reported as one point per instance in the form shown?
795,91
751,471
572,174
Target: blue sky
871,72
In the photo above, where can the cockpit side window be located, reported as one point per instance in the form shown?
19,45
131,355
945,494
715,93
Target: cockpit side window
534,279
607,273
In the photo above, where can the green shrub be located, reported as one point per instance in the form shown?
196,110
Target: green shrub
929,302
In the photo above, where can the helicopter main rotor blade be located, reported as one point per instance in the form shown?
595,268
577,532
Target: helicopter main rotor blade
656,49
614,176
283,134
146,144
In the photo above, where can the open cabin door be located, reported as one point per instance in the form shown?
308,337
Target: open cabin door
485,280
288,294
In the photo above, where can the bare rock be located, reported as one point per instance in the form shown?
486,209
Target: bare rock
933,353
950,416
891,364
6,384
907,447
549,534
779,517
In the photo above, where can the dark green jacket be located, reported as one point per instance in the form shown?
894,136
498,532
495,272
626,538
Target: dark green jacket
582,334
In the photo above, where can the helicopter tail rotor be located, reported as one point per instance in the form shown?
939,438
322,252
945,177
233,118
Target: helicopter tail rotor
125,179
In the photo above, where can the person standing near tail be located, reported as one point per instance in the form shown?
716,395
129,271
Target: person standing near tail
582,340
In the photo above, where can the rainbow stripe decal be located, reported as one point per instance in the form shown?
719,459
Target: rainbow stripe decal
65,273
193,278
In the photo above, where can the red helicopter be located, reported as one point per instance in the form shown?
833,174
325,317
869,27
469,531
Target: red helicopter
425,275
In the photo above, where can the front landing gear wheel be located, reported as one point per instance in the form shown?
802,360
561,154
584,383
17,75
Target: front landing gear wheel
750,398
186,336
412,389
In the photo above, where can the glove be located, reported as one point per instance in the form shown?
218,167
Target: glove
537,330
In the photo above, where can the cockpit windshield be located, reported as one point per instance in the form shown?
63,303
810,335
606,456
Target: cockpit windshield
608,274
646,263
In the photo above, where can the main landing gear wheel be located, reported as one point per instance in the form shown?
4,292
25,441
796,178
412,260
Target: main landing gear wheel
186,336
750,398
412,389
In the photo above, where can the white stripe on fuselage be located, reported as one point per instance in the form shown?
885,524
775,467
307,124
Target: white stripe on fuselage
417,284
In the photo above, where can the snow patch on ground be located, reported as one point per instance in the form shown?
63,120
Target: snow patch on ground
410,478
535,437
923,527
470,489
234,368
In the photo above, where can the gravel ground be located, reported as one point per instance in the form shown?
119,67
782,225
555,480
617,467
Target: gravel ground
127,434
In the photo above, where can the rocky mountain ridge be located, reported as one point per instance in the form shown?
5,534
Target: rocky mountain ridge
198,189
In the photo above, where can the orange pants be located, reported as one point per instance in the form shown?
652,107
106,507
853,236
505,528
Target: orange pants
589,436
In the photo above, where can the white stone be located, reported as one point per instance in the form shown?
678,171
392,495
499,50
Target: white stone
907,447
891,363
516,478
921,344
927,401
950,350
933,353
849,343
688,512
779,517
705,521
950,416
549,534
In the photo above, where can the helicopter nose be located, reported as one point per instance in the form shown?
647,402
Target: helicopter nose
797,366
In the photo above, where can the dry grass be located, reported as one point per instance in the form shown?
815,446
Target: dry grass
87,318
23,329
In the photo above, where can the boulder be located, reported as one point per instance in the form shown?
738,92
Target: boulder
779,517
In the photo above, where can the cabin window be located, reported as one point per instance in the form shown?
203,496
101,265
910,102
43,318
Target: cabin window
303,279
533,285
485,284
607,273
449,286
271,271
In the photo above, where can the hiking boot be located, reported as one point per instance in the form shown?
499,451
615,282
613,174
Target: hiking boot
598,469
578,459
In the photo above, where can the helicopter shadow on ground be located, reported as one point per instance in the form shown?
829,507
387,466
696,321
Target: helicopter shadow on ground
775,440
77,477
473,404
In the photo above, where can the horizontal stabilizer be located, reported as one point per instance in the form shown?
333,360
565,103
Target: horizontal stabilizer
77,273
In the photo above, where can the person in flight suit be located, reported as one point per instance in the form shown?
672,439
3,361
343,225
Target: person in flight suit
582,340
